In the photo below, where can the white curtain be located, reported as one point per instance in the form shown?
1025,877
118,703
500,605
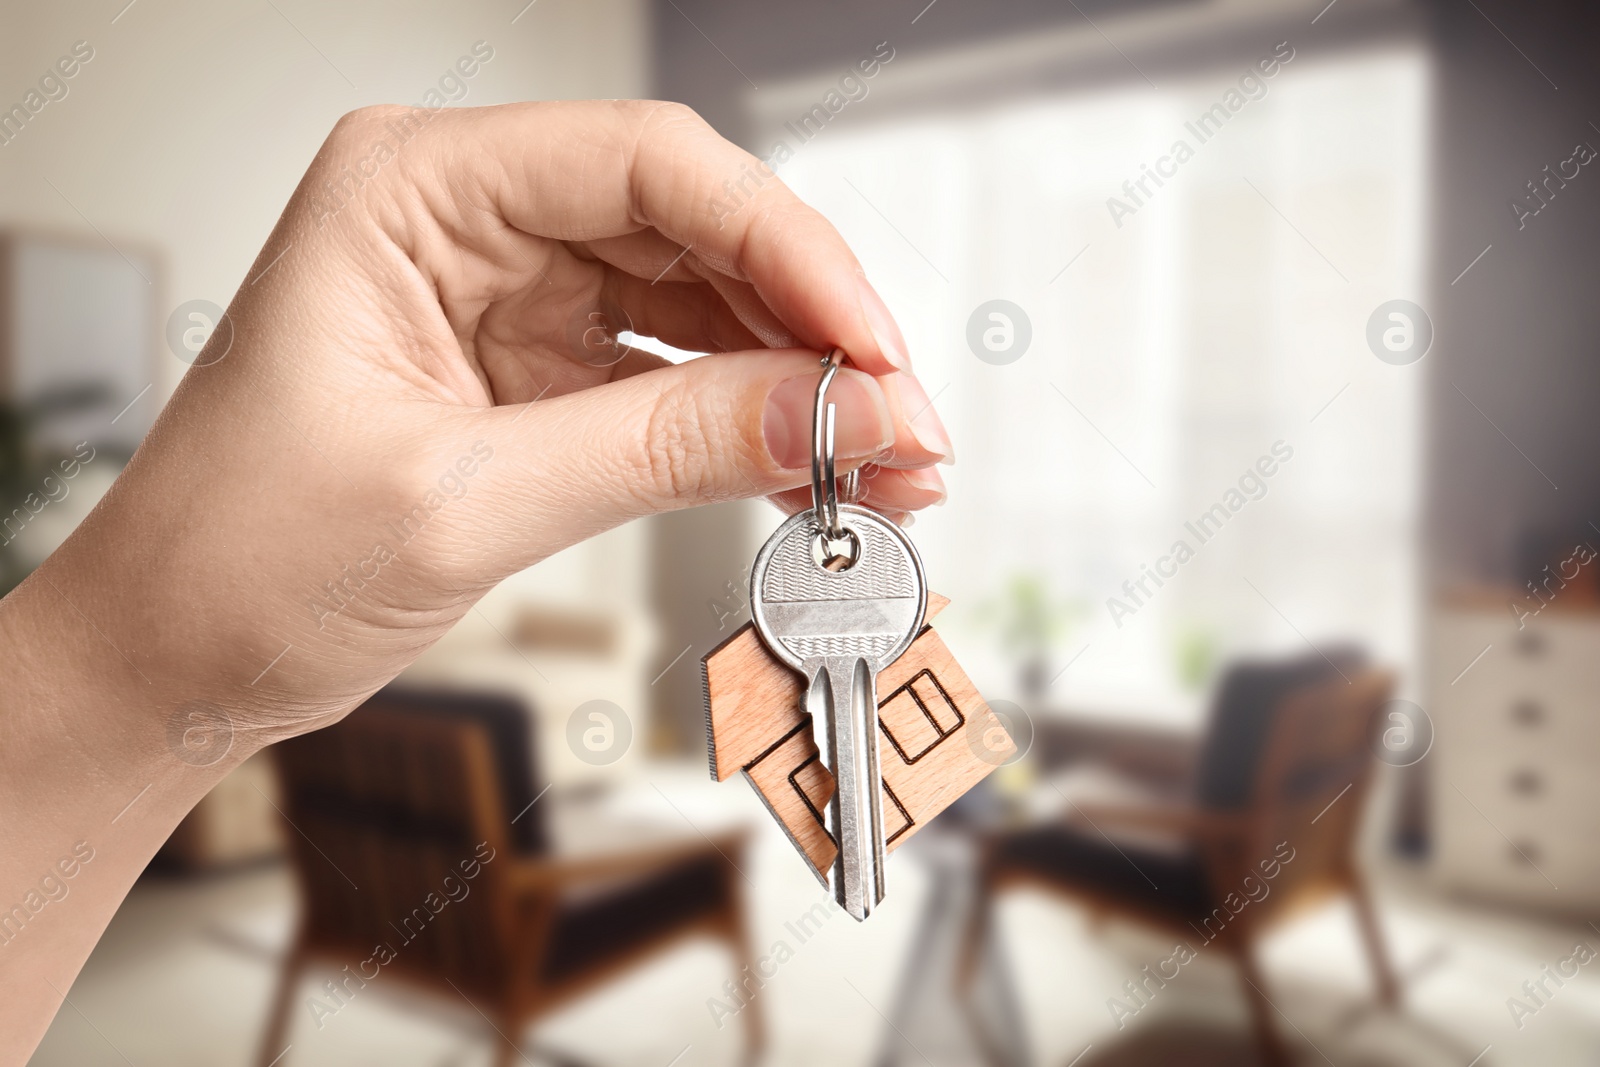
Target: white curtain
1175,351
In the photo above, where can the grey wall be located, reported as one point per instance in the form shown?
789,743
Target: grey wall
1517,334
777,40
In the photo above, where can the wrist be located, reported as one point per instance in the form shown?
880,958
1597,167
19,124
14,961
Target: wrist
97,711
89,790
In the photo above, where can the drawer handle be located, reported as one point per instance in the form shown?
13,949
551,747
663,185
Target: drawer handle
1528,713
1527,783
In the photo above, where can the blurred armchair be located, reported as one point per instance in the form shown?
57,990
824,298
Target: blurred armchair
422,854
1267,827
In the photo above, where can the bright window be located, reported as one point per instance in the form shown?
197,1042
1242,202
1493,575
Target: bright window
1221,317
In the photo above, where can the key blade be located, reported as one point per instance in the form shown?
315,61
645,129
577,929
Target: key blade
845,724
838,627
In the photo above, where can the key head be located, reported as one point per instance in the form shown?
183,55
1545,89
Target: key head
807,613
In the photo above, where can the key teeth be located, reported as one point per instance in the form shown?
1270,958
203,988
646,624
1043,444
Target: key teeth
711,736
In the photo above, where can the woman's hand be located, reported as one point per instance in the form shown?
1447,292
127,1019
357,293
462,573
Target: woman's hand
415,396
413,404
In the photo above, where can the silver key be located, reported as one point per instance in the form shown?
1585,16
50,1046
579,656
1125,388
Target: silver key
839,628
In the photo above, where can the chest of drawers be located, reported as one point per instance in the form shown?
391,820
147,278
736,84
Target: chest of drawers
1515,775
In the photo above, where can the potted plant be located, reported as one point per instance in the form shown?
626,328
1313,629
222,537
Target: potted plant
1031,622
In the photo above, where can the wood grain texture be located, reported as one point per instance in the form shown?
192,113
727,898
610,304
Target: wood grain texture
937,736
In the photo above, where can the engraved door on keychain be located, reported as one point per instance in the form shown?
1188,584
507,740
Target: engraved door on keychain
838,597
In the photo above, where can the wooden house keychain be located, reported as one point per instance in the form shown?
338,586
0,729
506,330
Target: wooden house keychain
845,710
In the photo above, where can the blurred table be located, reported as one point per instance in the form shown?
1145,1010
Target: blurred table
935,1021
669,804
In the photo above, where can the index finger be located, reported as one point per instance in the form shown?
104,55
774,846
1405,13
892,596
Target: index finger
590,169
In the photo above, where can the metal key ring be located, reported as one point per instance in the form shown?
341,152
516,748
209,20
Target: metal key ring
824,483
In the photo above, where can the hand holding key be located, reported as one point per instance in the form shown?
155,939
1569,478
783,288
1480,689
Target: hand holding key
406,367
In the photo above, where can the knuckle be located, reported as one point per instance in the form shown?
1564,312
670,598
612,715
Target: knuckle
354,127
669,113
778,216
354,175
676,462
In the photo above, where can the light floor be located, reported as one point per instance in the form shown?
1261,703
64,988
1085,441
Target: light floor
184,974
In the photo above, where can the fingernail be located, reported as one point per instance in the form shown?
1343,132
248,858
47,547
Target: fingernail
884,331
928,478
861,424
924,421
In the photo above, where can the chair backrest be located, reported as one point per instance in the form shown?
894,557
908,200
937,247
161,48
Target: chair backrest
400,843
511,740
1247,700
1312,784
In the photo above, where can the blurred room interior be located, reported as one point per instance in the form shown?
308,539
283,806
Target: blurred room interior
1378,650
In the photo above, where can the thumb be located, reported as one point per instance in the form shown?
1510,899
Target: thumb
721,427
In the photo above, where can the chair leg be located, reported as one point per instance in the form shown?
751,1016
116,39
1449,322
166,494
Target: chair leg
992,1013
508,1032
272,1042
1268,1043
1372,936
754,1020
969,953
